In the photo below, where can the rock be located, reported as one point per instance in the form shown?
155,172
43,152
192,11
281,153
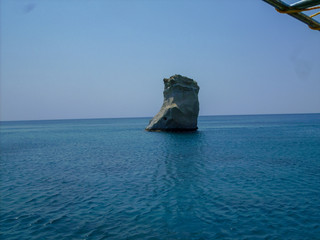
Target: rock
180,108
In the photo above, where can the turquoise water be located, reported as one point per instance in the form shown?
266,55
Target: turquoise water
238,177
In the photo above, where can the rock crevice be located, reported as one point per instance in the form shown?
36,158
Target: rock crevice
180,108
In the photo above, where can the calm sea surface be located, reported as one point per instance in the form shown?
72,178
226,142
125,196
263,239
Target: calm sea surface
238,177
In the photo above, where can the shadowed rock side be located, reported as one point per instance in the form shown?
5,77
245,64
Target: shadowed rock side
180,108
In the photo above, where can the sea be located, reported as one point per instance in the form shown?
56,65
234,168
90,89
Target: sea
237,177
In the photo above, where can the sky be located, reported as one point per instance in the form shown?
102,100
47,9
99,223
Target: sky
72,59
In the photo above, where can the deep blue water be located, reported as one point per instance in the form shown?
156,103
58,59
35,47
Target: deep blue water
238,177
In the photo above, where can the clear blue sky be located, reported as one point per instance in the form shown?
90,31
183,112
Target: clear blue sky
65,59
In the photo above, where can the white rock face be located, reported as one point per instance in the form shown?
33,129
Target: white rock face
180,108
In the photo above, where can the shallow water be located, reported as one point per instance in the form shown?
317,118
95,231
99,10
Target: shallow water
238,177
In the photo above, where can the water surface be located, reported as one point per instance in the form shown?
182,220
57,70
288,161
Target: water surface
238,177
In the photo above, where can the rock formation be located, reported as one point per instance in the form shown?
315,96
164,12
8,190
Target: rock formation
180,108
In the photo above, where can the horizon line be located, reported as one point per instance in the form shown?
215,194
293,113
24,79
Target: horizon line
216,115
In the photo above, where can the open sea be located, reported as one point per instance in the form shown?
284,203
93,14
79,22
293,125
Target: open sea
237,177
